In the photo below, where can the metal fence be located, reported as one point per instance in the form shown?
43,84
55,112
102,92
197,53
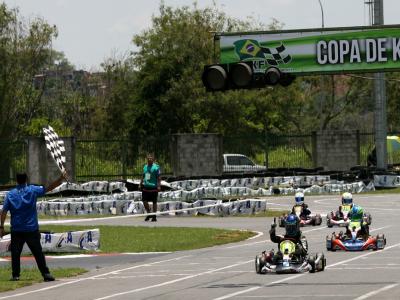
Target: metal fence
119,159
116,159
273,151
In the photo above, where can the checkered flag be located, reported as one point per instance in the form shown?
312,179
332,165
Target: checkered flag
55,147
275,56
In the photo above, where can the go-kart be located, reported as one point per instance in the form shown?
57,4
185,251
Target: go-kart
288,262
313,219
355,240
339,218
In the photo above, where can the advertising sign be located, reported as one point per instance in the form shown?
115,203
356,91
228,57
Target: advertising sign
333,50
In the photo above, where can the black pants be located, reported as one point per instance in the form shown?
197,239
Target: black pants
18,239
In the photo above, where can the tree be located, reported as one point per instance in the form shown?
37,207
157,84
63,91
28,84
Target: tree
169,95
24,50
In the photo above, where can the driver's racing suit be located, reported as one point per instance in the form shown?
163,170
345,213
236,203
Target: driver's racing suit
299,240
305,212
358,216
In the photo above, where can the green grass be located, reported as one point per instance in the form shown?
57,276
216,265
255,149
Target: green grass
385,191
288,157
271,213
148,239
30,276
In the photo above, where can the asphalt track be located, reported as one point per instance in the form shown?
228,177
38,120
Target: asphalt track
227,272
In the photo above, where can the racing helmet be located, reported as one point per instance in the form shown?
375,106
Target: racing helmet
292,225
356,212
347,198
299,198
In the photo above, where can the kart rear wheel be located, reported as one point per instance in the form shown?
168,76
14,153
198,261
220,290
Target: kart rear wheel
322,261
328,221
318,219
380,241
311,261
258,264
368,218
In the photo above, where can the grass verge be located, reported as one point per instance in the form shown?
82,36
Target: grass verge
149,239
270,213
384,191
30,276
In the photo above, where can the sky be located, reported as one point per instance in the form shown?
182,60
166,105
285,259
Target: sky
89,31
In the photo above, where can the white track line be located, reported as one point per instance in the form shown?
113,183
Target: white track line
70,256
376,229
297,296
259,233
373,293
144,253
299,275
172,281
89,278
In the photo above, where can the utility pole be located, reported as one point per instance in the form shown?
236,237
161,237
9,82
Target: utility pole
380,116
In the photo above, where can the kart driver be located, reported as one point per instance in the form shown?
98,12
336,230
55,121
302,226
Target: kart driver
347,199
356,214
305,212
293,233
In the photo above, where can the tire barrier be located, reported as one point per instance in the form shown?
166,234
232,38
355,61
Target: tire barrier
173,208
387,181
72,241
101,187
187,192
255,182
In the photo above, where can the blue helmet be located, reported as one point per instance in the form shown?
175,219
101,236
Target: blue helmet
292,225
356,212
299,198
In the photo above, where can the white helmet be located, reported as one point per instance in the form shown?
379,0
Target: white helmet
299,198
347,198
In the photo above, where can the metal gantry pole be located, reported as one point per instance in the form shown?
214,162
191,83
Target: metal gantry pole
380,116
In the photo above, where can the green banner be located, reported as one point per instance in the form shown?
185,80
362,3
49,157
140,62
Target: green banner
333,50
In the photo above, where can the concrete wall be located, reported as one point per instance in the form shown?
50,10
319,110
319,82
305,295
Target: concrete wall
337,150
41,168
196,154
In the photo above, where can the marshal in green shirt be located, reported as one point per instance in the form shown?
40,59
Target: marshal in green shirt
150,176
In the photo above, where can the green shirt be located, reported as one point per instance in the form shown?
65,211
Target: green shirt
150,176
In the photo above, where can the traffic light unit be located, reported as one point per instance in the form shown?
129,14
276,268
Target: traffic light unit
220,77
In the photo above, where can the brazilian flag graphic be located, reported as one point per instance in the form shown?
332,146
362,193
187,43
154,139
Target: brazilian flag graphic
248,49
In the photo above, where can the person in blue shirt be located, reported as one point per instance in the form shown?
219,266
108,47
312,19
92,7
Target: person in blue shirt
150,184
21,203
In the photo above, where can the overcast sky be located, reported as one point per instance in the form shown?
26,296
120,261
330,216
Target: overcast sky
92,30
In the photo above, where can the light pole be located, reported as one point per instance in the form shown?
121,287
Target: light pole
322,13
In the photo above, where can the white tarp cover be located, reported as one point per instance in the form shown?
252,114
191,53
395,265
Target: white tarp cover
91,186
123,207
72,241
254,182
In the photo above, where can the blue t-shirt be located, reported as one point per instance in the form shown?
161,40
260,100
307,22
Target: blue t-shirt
21,203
